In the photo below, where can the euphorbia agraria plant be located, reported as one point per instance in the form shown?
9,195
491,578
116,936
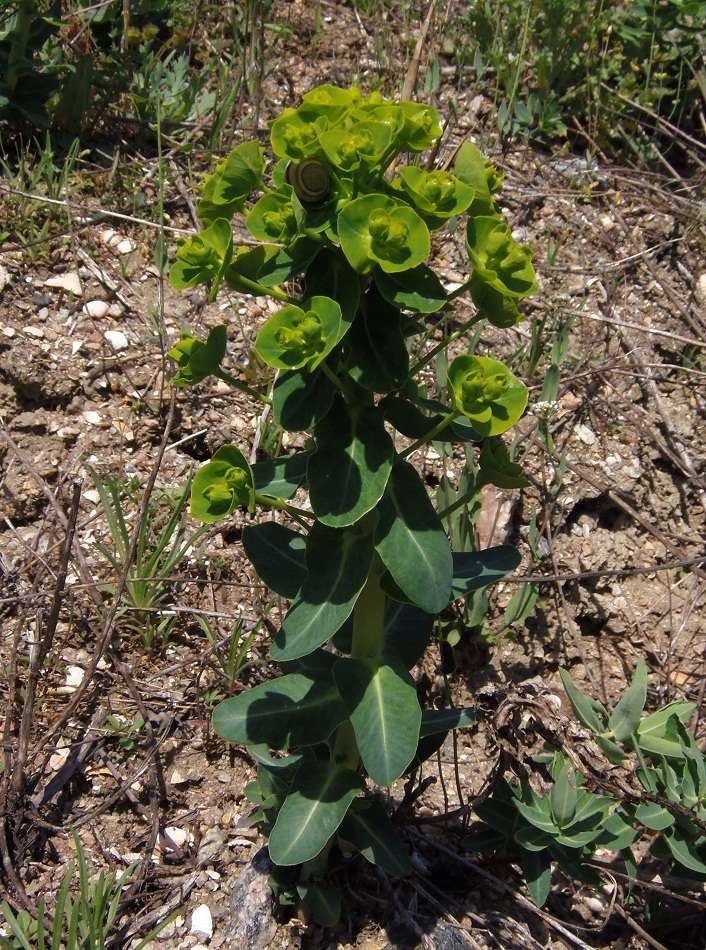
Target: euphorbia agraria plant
367,564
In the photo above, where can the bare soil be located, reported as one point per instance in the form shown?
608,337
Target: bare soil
618,510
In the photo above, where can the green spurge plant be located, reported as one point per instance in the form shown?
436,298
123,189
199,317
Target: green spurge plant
369,564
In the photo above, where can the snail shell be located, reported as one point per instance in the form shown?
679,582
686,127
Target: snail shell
310,181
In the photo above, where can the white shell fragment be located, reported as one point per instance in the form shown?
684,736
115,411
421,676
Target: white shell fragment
3,278
117,339
74,676
202,922
69,282
125,247
96,308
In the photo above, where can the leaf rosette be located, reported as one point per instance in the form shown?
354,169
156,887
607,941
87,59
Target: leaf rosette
497,259
421,127
376,229
363,144
203,257
222,485
272,217
329,102
294,337
435,193
197,360
487,393
236,176
296,137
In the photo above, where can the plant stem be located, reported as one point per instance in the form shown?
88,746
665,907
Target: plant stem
369,616
432,433
261,291
232,381
462,499
298,514
476,318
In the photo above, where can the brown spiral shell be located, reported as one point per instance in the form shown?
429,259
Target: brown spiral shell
310,181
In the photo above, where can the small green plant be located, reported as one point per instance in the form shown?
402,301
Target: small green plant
368,564
234,659
667,806
82,921
164,539
125,731
613,75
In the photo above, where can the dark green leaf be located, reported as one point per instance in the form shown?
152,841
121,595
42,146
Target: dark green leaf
280,477
563,796
377,352
418,289
290,711
289,262
444,720
521,605
590,712
625,718
654,816
301,399
537,866
318,800
330,275
381,700
474,570
278,555
412,542
338,560
683,850
349,470
369,829
407,632
323,900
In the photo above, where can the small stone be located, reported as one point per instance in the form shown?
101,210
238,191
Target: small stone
201,921
177,778
586,435
92,417
117,339
35,332
69,282
9,332
96,308
212,844
3,278
125,247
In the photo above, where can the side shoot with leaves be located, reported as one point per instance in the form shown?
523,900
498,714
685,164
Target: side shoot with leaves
369,565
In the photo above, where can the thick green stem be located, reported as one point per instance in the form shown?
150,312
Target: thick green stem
369,616
368,623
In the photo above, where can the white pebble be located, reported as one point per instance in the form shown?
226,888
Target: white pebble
69,282
586,435
117,339
202,922
125,247
96,308
92,417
